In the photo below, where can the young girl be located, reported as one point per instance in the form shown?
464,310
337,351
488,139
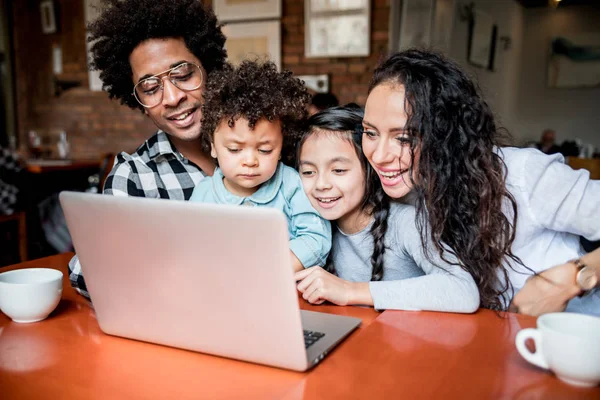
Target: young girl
433,142
249,115
376,252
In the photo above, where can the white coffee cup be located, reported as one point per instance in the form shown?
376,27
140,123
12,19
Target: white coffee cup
568,344
29,295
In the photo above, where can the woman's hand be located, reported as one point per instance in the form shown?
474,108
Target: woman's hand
318,285
547,292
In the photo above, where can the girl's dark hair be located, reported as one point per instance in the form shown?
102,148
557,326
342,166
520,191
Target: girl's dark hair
460,179
346,122
124,24
255,90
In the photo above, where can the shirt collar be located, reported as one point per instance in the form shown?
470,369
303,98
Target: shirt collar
160,145
265,194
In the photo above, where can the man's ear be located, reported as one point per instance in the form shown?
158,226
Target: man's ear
213,152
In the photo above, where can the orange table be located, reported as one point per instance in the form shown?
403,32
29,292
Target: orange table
429,355
393,355
67,356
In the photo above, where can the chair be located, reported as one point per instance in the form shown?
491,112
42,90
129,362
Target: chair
96,181
20,218
591,164
105,167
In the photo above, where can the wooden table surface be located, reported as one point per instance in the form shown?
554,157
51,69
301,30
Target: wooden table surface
67,356
413,355
392,355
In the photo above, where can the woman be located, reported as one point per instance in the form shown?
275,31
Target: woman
503,212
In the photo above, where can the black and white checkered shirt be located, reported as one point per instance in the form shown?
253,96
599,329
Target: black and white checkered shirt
156,170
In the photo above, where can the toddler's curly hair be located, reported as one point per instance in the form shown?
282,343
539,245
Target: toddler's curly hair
255,90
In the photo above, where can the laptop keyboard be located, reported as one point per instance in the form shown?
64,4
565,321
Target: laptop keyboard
311,338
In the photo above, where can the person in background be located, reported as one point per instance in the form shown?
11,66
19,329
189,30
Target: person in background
504,213
377,258
154,56
251,114
548,145
322,101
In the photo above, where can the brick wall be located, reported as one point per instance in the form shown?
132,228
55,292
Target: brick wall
96,125
348,77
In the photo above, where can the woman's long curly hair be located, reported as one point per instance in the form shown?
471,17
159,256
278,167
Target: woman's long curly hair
346,123
459,183
124,24
255,90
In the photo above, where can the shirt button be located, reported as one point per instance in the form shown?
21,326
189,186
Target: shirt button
248,203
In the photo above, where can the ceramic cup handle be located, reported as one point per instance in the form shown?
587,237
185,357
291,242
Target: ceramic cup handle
535,358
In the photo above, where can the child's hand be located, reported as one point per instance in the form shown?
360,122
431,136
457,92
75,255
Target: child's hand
318,285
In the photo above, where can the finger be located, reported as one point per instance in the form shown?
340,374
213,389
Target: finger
513,308
316,297
306,282
298,276
314,276
309,291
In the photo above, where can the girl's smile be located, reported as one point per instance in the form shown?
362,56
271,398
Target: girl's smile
328,202
334,179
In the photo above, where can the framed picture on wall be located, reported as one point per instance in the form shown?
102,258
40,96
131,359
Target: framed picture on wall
236,10
337,28
316,83
48,16
482,40
91,13
421,23
416,22
443,25
253,40
574,60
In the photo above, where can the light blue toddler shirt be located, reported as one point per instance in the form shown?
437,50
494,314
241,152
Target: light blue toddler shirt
309,234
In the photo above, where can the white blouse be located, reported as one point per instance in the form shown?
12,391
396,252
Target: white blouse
555,205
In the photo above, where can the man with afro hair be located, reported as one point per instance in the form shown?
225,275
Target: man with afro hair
155,55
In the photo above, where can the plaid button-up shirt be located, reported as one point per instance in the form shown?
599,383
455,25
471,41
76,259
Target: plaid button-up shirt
155,170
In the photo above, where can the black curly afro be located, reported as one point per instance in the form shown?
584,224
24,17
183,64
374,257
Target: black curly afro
255,90
124,24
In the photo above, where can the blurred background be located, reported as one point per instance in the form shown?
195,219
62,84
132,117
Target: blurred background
537,62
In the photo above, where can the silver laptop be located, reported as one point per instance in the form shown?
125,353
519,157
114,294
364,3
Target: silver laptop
210,278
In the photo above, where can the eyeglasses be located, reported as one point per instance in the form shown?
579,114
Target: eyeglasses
186,76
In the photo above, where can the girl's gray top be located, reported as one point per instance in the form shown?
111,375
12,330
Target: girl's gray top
410,281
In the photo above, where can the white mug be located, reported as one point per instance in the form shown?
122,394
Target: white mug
30,294
568,344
